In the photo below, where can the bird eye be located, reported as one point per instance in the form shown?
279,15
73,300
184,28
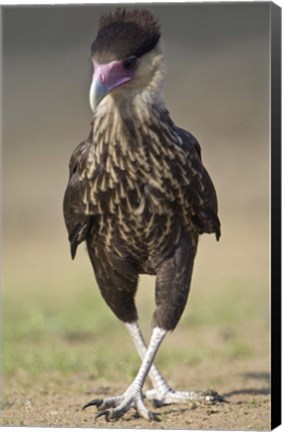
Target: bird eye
130,62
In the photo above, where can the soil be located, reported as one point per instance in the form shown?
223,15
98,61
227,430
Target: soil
55,401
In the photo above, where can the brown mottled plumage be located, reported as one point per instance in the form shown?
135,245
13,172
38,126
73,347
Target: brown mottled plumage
138,193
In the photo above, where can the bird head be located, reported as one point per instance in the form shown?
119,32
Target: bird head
126,54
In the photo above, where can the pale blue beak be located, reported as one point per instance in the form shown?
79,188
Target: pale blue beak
107,77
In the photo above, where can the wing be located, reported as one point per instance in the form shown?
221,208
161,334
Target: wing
78,218
200,193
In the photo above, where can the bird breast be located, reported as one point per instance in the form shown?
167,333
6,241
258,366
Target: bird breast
135,182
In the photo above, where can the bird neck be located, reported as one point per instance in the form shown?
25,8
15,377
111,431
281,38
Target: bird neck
129,138
135,102
119,117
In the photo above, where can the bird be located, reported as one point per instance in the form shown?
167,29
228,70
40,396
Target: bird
139,196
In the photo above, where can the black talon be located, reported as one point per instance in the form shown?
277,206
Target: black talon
105,413
157,403
154,417
94,402
212,396
101,414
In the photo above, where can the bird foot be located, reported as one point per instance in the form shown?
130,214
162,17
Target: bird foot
113,408
172,396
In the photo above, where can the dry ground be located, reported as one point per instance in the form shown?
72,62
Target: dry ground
54,399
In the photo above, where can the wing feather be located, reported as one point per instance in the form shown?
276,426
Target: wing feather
200,193
78,218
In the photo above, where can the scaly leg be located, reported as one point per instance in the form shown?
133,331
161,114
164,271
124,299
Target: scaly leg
162,393
114,408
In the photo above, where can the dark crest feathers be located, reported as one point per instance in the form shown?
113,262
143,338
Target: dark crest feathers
125,32
141,17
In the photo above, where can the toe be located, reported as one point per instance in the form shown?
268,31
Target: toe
144,412
212,396
104,404
115,407
94,402
154,417
112,413
158,403
160,399
105,414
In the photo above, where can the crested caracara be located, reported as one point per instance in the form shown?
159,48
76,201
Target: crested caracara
138,195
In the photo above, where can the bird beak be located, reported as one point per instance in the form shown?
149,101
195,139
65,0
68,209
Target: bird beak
107,77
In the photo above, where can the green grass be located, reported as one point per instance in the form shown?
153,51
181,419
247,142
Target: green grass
72,332
237,299
41,336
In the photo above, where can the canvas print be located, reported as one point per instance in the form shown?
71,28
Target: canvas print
136,212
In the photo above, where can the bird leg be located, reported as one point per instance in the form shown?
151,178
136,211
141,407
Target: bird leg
162,393
114,407
157,379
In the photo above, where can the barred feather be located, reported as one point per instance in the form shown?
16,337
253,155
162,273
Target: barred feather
138,192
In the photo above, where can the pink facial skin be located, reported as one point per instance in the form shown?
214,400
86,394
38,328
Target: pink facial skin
106,77
111,75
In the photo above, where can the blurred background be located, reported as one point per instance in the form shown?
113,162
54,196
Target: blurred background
217,87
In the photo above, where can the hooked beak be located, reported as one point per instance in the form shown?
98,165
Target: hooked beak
107,77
